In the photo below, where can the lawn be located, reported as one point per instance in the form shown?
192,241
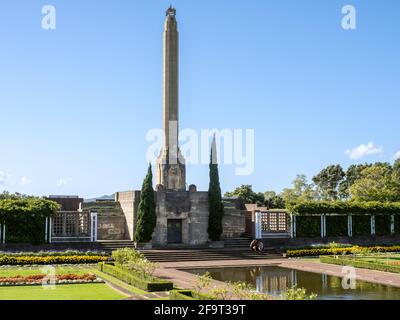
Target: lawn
26,271
95,291
90,291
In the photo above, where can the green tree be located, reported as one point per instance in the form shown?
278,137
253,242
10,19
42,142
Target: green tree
301,191
246,193
273,200
216,207
147,219
377,183
327,181
353,174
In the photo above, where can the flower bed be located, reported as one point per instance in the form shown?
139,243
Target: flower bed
52,253
47,260
341,251
41,279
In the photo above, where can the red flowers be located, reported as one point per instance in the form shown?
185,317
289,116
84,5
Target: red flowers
40,278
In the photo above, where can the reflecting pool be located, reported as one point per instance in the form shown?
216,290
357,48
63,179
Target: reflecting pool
276,280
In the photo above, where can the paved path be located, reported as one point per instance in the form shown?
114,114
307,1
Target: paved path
174,271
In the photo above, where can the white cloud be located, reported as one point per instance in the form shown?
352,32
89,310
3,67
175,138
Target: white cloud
25,181
396,155
63,181
363,150
3,177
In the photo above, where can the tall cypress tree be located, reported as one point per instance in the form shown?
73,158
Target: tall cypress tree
216,207
147,219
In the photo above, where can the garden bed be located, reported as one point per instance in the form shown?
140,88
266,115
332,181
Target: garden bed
312,252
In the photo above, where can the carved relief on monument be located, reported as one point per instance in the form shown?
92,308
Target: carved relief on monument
175,177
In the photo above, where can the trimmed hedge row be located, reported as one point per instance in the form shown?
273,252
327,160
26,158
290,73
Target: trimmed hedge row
25,219
135,279
53,253
362,225
336,226
29,260
308,226
189,295
344,207
361,264
181,295
333,251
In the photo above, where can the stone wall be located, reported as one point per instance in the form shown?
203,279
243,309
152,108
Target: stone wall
189,206
129,202
112,228
234,220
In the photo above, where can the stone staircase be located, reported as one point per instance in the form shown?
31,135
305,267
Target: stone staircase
240,242
165,255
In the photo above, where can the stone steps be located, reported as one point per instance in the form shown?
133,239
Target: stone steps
205,255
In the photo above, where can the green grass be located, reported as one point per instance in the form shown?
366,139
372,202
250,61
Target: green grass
26,271
95,291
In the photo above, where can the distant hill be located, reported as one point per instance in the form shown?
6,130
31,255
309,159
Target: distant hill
110,197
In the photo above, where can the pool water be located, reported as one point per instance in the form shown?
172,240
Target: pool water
276,280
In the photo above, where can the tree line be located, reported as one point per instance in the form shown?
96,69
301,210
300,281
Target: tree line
379,181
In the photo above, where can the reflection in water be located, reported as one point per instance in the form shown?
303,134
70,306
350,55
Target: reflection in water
276,280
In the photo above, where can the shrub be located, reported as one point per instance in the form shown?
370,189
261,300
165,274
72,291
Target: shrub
298,294
308,226
382,225
126,255
361,225
336,226
25,218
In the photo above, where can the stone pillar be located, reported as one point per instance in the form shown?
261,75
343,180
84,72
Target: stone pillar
392,224
171,170
93,226
350,225
373,231
323,226
258,225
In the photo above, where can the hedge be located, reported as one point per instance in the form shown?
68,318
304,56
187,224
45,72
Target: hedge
308,226
362,225
135,279
189,295
382,225
344,207
361,264
181,295
53,253
336,226
25,219
397,224
339,251
29,260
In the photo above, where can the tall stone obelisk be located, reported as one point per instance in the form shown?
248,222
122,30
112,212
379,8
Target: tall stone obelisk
171,171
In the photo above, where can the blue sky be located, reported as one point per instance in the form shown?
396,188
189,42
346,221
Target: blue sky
76,103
